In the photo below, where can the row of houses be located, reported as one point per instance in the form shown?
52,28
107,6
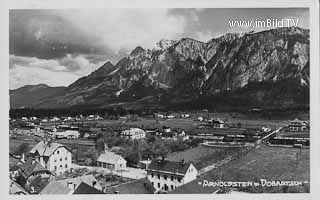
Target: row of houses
48,159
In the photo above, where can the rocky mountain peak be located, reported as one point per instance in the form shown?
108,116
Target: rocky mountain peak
137,51
189,69
164,44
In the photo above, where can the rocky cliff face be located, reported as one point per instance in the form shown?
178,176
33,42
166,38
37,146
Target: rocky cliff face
187,70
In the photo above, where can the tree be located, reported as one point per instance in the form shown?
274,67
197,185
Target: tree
22,148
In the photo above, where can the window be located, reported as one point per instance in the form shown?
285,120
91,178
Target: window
55,160
66,158
179,180
172,187
66,166
165,177
60,159
58,152
159,176
166,187
171,178
60,166
152,183
158,185
55,167
152,175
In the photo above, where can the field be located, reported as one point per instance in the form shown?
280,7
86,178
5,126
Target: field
203,156
271,163
82,144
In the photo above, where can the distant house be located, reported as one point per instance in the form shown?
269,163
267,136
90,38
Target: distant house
297,125
53,156
185,115
67,134
70,185
166,175
51,129
133,133
216,123
111,161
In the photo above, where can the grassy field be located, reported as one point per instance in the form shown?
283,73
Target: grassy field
271,163
202,156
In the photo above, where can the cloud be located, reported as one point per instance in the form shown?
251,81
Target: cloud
53,72
51,34
204,36
124,29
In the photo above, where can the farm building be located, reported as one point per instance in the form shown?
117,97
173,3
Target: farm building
133,133
216,123
111,161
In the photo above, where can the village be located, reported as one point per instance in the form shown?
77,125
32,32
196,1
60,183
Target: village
162,153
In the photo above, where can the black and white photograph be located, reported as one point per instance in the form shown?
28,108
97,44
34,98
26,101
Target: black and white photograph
159,101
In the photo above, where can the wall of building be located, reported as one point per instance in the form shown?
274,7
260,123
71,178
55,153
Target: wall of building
162,181
60,161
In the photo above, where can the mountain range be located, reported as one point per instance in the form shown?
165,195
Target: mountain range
256,69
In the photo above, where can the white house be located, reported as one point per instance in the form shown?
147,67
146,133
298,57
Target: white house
111,161
297,125
133,133
216,123
67,134
53,156
166,175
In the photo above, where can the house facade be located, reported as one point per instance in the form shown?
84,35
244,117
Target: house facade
165,175
297,125
111,161
216,123
53,156
133,133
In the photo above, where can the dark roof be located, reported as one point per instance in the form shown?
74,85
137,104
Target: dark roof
13,161
84,188
169,166
55,187
39,184
140,186
30,167
194,187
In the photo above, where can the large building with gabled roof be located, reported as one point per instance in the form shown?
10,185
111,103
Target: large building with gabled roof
167,175
53,156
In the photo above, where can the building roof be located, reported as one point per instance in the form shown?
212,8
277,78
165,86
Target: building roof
30,167
110,157
195,187
140,186
13,161
46,148
133,131
38,184
88,179
169,166
56,187
84,188
15,188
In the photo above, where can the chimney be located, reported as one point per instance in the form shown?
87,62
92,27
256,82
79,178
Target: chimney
182,162
22,158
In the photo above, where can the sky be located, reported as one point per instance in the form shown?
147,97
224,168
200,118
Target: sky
56,47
